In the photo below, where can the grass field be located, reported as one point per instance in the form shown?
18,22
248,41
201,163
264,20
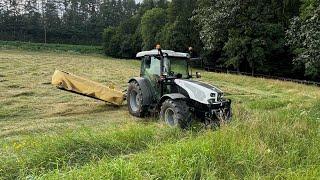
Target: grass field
50,134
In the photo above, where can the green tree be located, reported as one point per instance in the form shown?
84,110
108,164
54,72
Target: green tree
123,41
50,20
180,31
152,23
32,18
304,38
246,32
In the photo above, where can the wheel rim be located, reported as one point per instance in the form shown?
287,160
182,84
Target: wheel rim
134,100
169,117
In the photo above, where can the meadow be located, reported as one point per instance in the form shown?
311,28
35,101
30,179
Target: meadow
50,134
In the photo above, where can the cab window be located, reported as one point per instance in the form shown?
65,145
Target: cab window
151,66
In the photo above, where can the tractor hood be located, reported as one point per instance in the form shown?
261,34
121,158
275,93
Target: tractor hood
199,91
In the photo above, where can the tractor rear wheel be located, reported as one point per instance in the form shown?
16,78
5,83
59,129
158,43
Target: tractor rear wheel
135,100
176,113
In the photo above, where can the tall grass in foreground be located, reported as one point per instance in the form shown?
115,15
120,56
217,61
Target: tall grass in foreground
38,155
267,148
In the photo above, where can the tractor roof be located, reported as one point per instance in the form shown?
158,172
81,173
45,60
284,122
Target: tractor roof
169,53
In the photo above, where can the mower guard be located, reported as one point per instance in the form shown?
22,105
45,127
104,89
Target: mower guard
85,87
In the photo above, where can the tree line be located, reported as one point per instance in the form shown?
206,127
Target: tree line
273,37
262,35
61,21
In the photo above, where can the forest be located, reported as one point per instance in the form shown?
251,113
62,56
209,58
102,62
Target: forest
272,37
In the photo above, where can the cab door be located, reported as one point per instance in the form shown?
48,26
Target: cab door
150,69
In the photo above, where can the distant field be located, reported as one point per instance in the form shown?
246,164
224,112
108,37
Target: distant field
81,49
50,134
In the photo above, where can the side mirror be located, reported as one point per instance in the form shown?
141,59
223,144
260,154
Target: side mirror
198,75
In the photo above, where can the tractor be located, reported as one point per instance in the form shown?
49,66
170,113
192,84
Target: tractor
165,87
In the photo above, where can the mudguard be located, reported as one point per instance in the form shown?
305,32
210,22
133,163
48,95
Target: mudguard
171,96
146,91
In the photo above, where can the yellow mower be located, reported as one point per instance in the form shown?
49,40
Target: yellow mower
75,84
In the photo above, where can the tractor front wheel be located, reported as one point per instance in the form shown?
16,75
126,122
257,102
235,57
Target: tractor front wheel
176,113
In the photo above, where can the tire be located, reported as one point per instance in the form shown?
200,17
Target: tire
135,100
176,113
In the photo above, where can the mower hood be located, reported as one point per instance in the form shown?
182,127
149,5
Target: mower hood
199,91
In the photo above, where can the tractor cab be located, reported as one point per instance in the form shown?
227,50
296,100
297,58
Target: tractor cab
161,68
170,65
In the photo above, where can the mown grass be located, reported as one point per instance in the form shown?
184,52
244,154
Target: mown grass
49,134
81,49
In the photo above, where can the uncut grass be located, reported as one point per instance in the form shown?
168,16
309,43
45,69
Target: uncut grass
36,155
265,149
274,133
226,154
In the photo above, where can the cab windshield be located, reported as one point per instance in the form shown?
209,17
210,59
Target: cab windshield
176,67
173,66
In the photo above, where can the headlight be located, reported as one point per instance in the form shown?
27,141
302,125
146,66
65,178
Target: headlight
213,95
